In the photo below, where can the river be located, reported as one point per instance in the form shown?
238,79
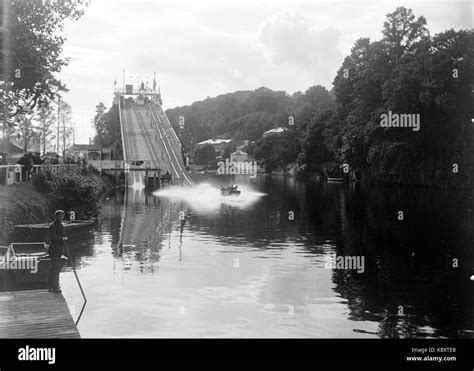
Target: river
191,263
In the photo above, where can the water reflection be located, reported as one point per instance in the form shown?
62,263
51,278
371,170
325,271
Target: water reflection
258,270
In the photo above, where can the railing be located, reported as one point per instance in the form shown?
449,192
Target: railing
17,173
10,174
123,165
173,140
137,91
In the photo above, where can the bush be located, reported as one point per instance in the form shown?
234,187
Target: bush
70,189
41,181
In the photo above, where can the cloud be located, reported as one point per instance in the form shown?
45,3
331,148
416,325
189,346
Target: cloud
291,37
236,73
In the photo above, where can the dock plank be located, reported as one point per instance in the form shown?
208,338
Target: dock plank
35,314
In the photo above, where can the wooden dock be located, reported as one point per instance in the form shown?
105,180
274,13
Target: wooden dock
35,314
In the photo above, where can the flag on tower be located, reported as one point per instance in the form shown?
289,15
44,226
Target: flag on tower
154,80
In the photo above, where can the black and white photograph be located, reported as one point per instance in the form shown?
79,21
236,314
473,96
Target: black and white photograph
205,172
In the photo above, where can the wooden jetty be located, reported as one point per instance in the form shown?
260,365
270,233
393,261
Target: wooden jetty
35,314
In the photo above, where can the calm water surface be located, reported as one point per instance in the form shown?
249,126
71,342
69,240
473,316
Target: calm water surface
190,263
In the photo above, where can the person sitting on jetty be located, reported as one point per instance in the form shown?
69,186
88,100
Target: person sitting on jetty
58,236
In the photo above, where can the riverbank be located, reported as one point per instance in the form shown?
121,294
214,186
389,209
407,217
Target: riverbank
35,201
447,181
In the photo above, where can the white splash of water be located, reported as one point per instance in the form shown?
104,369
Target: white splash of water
206,197
137,184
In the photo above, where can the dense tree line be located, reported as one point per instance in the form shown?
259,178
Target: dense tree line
408,71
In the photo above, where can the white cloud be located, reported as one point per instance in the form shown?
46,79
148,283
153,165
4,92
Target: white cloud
236,73
291,37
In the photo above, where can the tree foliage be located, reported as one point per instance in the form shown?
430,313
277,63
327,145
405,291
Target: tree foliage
407,72
204,154
35,55
46,117
107,126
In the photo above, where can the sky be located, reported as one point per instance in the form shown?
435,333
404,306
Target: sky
205,48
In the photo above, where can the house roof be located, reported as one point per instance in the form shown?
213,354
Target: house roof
275,131
215,141
33,145
11,148
239,152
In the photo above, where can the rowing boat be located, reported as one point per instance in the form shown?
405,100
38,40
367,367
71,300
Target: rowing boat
68,225
39,232
24,265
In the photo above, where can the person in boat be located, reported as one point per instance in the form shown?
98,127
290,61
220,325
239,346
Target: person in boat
56,249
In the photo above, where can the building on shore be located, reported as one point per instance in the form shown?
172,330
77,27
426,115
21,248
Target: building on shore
218,144
274,131
90,152
239,156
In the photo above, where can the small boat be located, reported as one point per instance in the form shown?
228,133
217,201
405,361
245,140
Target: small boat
230,191
68,225
335,180
38,232
24,265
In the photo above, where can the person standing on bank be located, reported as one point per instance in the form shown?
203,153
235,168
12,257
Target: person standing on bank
58,236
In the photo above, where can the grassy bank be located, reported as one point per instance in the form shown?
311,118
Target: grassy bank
34,202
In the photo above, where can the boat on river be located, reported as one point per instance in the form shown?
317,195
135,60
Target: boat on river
39,232
230,191
24,266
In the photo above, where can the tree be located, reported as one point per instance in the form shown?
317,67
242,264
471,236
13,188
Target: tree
102,129
66,124
406,72
277,150
47,118
36,45
204,154
313,148
402,31
26,129
106,124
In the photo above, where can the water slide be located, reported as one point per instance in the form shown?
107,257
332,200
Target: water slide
147,136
